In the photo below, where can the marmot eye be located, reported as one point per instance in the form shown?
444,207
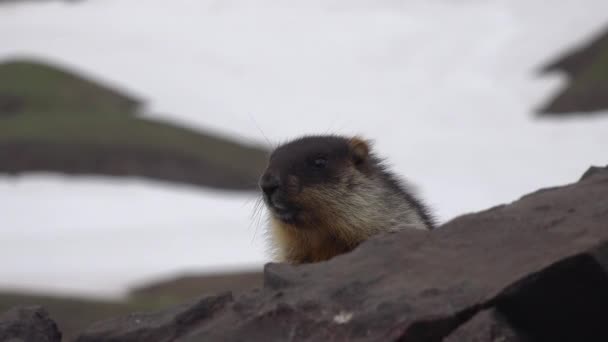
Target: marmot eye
319,163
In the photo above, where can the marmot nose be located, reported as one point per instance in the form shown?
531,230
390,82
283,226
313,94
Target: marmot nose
269,184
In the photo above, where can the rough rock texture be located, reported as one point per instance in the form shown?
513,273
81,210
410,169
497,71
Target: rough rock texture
28,324
486,326
195,285
587,89
536,268
160,326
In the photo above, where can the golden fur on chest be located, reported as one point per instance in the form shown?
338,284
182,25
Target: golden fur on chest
295,245
328,194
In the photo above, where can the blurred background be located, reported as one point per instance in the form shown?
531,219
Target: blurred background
132,132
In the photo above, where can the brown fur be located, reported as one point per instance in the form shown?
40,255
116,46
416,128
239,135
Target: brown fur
338,215
304,246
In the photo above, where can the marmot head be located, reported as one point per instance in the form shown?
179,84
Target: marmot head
307,179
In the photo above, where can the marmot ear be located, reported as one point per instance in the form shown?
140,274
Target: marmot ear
360,149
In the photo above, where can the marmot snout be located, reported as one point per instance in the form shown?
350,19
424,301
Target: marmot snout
327,194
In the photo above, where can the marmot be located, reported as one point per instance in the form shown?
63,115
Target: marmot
326,194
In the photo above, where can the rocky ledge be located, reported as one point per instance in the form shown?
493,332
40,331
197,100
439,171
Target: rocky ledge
28,323
532,270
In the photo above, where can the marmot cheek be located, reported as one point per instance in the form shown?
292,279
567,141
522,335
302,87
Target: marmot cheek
293,185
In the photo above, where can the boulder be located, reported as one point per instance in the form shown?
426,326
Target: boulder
486,326
166,325
28,324
532,269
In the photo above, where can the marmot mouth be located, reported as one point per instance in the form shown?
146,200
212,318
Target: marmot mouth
286,216
283,211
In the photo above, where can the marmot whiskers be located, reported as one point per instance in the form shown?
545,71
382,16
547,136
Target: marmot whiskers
327,194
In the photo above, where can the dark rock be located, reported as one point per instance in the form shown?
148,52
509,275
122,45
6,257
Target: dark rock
530,268
592,171
277,276
486,326
195,285
564,302
28,324
166,325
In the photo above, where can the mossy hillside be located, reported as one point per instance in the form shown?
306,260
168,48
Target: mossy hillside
44,88
587,88
56,106
593,75
115,129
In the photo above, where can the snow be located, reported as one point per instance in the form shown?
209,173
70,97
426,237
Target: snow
97,237
446,89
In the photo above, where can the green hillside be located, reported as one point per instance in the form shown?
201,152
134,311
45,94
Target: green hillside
587,87
86,124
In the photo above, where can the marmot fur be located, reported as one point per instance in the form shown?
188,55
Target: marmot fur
327,194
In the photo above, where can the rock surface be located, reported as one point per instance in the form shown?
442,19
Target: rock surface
195,285
161,326
539,264
486,326
28,324
532,270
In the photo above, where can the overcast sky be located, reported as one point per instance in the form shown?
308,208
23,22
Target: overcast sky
446,89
